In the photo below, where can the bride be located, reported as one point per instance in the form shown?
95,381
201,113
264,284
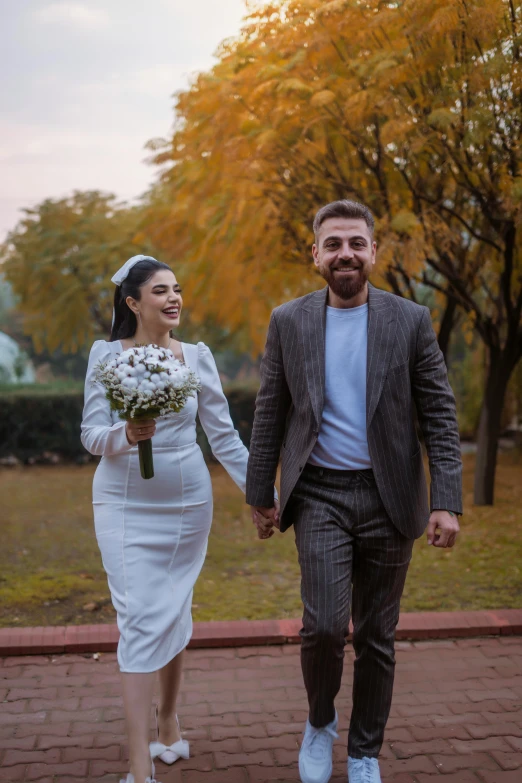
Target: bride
153,533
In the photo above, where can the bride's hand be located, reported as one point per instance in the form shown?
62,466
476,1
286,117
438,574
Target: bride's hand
140,430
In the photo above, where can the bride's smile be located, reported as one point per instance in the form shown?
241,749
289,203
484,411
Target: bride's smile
160,304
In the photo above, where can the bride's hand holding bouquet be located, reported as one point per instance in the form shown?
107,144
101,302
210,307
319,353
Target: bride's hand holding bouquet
140,429
142,384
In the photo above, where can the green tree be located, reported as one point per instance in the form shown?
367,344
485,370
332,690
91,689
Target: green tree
59,260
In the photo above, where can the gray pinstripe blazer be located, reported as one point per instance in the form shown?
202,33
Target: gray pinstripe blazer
405,370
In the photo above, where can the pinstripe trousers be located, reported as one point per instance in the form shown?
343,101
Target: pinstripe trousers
346,541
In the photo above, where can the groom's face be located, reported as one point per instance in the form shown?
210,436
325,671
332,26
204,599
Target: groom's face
344,254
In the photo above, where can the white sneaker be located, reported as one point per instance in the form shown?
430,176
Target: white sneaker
365,770
315,756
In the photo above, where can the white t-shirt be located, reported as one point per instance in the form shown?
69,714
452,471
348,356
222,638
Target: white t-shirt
342,443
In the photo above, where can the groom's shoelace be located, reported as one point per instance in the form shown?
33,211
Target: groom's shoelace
319,742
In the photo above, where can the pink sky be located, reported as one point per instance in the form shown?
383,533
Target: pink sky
88,83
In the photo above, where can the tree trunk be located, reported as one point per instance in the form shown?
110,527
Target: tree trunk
446,327
489,427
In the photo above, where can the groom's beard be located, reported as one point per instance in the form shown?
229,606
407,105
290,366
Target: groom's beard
345,287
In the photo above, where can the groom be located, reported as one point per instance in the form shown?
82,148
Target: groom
343,373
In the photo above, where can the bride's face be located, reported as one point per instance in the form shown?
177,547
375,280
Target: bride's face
160,302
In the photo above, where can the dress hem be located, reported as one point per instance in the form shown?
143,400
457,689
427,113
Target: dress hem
157,669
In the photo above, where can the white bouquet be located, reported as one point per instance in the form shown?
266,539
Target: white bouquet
146,382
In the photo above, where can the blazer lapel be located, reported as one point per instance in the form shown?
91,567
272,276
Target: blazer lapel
313,328
382,325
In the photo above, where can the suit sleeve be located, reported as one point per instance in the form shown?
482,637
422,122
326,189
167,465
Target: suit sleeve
272,405
437,414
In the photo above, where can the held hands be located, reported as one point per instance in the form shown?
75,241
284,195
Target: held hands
443,528
137,430
265,519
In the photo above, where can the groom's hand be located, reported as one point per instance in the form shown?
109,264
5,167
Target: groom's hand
443,528
265,519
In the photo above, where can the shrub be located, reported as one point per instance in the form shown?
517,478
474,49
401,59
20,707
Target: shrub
35,420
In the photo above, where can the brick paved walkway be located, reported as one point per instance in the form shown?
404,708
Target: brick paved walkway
456,717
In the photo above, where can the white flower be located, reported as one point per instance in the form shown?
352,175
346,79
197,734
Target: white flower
147,380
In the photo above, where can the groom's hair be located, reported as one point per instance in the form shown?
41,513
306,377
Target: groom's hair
344,209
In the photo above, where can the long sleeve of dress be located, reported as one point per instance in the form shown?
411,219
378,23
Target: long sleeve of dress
214,416
99,435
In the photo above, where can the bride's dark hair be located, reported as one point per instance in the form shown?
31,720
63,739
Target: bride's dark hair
125,323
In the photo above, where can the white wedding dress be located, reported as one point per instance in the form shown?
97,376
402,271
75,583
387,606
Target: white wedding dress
153,533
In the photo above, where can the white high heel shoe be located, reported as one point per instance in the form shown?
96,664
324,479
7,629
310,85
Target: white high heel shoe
130,778
168,753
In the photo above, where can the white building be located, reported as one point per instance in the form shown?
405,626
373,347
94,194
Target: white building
15,367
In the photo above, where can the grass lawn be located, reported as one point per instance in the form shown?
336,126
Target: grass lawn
51,573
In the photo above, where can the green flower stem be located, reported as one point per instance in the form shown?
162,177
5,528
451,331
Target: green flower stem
146,459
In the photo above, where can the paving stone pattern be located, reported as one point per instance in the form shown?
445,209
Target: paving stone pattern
456,716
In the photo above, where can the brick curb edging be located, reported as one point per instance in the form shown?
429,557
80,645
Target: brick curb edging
239,633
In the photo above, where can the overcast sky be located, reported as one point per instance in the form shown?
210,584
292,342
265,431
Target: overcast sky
85,84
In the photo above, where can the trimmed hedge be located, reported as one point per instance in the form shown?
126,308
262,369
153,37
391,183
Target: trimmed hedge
32,424
36,421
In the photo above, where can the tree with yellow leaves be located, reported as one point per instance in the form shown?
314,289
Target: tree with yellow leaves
457,91
412,107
